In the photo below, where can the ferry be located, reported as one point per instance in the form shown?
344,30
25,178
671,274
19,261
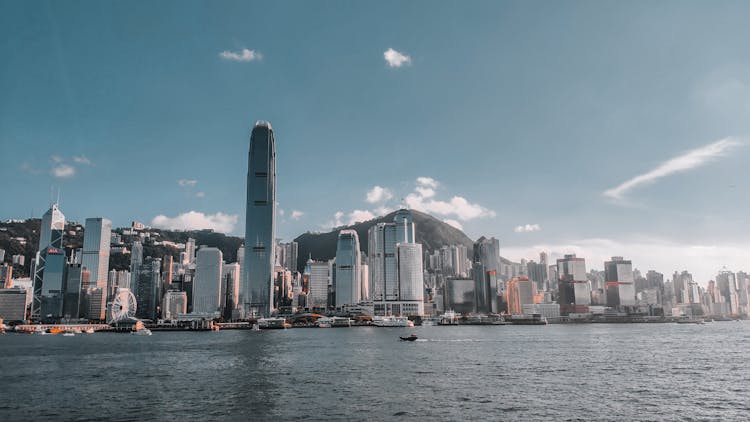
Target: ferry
392,321
690,321
273,323
329,322
449,318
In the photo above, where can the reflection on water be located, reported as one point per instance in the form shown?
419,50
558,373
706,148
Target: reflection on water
628,371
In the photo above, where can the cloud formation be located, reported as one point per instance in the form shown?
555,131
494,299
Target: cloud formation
194,220
395,58
526,228
684,162
81,159
296,215
62,171
378,194
423,199
187,183
244,55
453,223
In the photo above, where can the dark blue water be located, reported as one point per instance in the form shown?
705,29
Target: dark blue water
556,372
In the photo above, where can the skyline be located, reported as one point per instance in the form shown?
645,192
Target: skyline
541,106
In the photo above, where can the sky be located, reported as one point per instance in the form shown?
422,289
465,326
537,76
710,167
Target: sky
602,128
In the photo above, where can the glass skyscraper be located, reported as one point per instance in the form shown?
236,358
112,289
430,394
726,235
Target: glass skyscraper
348,260
260,222
96,238
49,267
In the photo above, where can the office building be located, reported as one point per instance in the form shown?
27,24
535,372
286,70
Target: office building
6,276
256,293
147,282
230,286
519,292
317,278
49,267
73,288
174,304
574,295
207,281
95,256
460,295
348,259
13,305
618,276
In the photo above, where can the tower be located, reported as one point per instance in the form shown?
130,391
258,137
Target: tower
256,293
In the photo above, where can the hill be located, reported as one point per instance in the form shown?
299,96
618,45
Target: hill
430,232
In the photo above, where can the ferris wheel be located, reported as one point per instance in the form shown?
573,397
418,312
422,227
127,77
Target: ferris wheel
123,305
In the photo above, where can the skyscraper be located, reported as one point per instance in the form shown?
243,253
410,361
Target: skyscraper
207,282
147,282
574,292
618,276
49,267
256,293
348,258
96,239
396,287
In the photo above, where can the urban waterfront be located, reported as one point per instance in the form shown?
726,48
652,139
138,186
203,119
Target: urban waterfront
553,372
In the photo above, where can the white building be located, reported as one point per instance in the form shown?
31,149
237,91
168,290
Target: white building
174,304
96,241
317,273
207,281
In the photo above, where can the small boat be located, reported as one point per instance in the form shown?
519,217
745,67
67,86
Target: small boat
68,334
410,338
143,332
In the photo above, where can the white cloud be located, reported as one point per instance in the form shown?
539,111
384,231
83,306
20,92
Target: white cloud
702,260
187,183
200,194
526,228
194,220
28,168
244,55
281,211
684,162
81,159
358,216
296,215
56,159
427,182
422,199
378,194
62,171
454,223
395,58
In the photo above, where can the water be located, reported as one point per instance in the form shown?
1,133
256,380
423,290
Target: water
555,372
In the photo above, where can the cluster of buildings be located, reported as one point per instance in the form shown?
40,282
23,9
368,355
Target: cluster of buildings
389,275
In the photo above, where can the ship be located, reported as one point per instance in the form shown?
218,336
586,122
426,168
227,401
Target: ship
273,323
392,321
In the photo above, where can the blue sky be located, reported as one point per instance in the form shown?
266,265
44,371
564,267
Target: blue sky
550,125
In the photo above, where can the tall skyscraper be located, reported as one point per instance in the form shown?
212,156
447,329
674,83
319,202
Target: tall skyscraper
574,292
147,282
520,291
49,267
317,276
207,281
96,238
348,258
396,289
256,292
136,257
618,276
230,286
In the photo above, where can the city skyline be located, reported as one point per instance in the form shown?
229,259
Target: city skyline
564,156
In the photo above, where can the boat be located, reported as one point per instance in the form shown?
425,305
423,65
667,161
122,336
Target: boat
449,318
690,321
255,327
391,321
143,332
409,338
274,323
68,334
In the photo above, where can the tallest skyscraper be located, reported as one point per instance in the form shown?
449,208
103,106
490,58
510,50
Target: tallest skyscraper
256,294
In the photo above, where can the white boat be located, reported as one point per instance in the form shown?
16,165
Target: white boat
328,322
392,321
68,334
449,318
143,332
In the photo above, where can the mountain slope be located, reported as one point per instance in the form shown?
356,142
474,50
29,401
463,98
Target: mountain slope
430,232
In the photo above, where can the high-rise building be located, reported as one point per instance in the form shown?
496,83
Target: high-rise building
6,276
136,257
73,289
49,267
618,276
519,292
173,304
207,281
348,258
574,294
460,295
13,304
230,286
487,251
391,295
147,282
189,257
364,278
96,238
256,293
317,277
